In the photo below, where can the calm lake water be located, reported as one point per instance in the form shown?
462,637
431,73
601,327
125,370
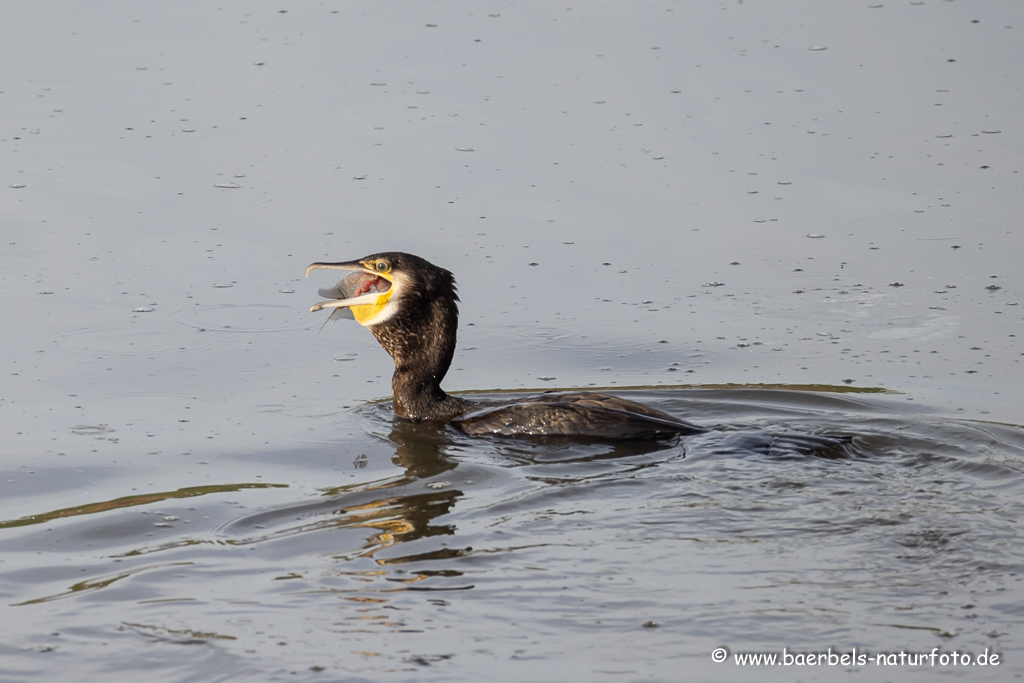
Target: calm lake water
795,223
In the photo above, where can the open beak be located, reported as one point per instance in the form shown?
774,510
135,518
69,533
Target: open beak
361,294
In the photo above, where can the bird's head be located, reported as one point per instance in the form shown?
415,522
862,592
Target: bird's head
380,285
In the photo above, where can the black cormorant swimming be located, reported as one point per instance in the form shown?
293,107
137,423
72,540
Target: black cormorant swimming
411,307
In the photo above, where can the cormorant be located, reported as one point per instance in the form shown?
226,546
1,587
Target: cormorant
411,307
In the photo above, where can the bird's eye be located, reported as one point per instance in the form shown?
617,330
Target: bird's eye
382,267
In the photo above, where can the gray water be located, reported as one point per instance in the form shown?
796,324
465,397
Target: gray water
782,220
404,552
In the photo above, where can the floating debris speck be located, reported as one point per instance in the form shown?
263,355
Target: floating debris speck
92,430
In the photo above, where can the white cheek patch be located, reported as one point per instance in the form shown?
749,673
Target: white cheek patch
390,308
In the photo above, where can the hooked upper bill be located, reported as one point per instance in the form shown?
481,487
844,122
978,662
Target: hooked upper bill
364,294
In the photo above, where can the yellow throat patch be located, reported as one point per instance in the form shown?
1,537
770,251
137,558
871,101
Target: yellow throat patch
365,314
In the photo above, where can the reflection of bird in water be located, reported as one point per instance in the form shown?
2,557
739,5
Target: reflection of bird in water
411,307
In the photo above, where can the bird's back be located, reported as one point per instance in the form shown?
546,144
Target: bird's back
584,414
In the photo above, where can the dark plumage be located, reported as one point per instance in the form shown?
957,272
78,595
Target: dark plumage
411,307
574,414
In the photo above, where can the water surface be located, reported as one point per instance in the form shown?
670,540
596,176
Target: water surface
413,552
700,199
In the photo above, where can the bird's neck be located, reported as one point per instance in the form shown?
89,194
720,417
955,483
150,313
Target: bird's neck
419,396
422,344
